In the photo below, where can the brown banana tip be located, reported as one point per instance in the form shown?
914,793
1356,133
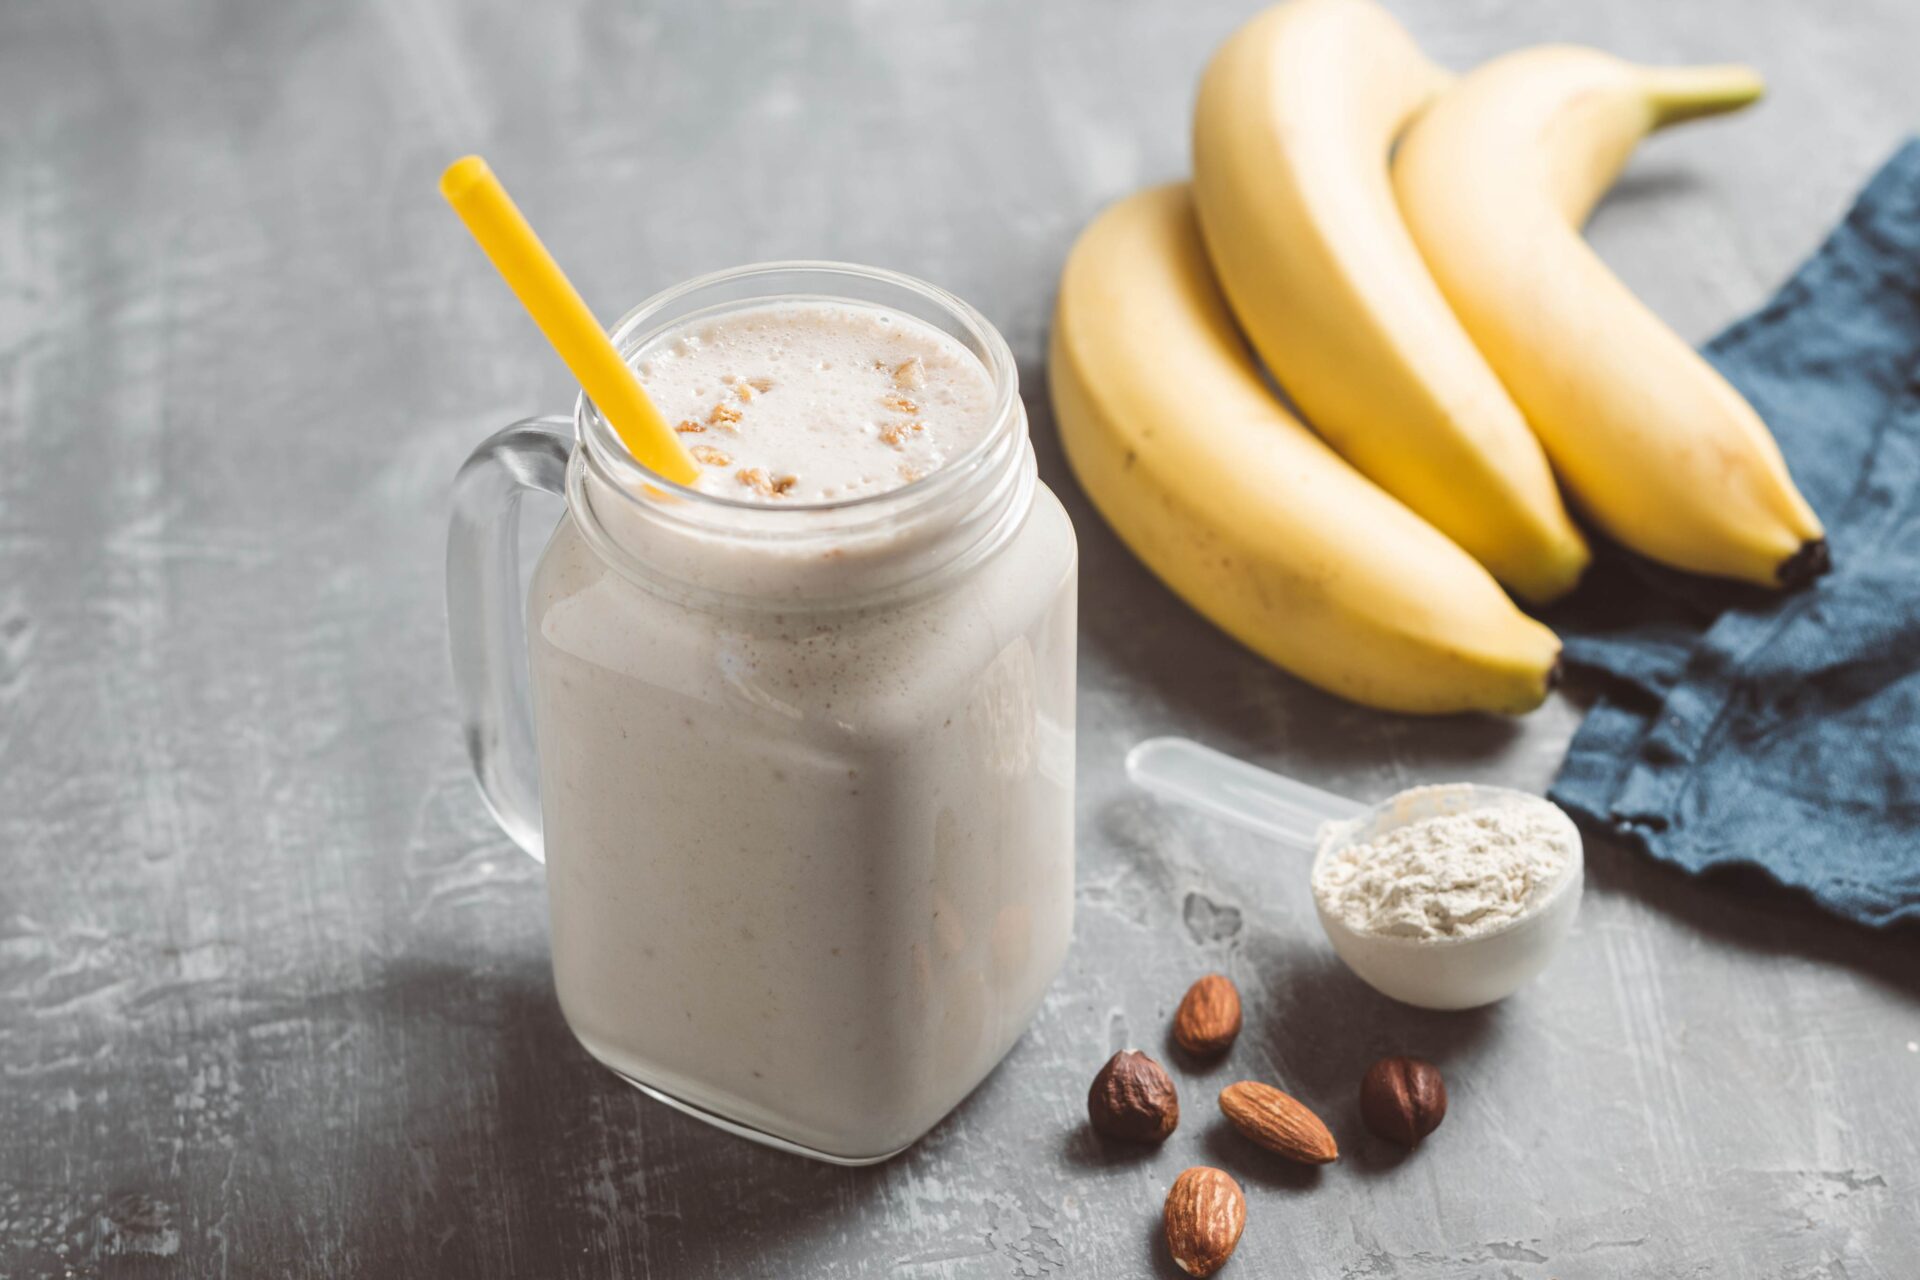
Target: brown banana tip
1803,566
1555,674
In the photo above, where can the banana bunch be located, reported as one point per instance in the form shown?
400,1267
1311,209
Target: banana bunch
1401,249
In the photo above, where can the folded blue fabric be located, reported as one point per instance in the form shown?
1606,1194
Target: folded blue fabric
1736,727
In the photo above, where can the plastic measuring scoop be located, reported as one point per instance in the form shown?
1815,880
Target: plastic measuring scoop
1434,973
564,317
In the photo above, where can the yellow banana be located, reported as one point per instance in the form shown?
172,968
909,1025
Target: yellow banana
1297,113
1244,512
1495,179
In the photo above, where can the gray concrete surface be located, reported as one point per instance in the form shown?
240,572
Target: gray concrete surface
273,992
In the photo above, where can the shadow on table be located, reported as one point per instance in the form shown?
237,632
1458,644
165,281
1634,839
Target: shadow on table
519,1154
1748,910
1325,1027
1655,183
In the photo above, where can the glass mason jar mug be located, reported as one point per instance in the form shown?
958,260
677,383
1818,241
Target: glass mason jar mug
804,779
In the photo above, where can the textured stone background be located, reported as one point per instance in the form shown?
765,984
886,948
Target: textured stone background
273,992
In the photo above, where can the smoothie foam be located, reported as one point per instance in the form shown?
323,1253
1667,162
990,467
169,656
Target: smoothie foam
817,402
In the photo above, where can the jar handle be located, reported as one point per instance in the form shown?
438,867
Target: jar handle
486,615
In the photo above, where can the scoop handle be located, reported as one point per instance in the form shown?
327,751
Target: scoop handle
1272,804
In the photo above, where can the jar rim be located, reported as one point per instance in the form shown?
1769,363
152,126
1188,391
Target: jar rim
631,478
849,551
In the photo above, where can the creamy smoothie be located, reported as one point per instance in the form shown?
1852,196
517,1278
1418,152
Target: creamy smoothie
806,749
817,402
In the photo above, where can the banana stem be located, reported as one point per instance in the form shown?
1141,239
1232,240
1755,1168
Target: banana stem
1686,93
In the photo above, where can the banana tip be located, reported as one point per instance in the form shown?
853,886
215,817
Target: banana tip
1687,93
1803,566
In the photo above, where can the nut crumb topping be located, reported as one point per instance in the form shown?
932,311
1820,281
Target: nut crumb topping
895,432
764,485
909,375
852,391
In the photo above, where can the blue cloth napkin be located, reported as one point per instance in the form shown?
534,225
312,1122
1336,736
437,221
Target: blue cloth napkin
1741,728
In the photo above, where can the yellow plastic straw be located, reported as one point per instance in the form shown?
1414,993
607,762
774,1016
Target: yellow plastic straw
556,306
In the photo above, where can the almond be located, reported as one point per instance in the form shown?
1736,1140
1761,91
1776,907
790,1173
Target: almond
1208,1018
1278,1122
1205,1214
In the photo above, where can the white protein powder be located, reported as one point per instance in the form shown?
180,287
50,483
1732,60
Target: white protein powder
1455,875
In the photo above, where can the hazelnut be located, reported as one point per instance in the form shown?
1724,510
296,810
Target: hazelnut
1403,1099
1132,1098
